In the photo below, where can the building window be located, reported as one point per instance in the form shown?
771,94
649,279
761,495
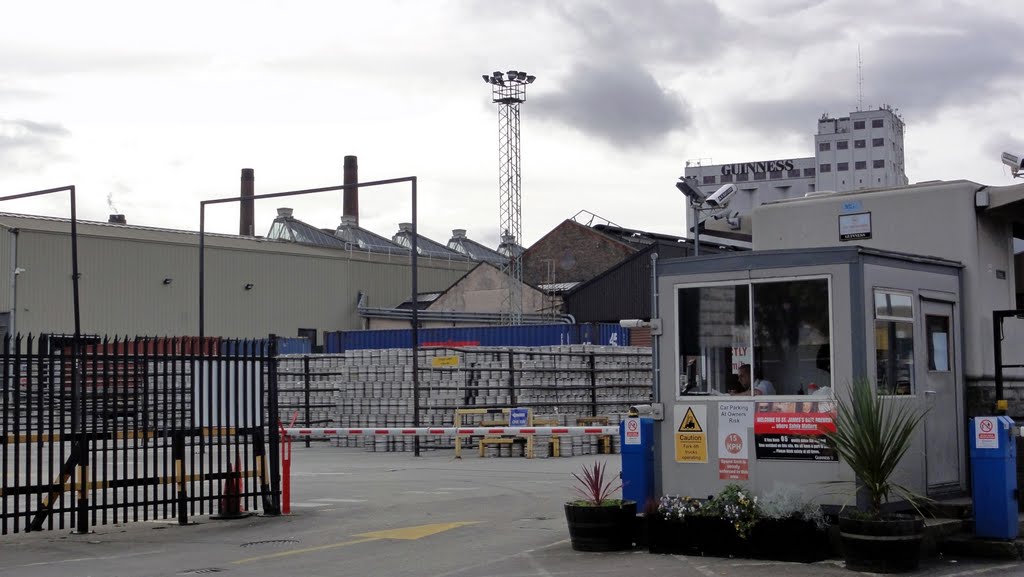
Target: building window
808,172
860,165
709,179
742,177
775,174
725,178
843,166
781,329
823,168
876,142
824,146
793,173
877,123
894,342
859,144
760,175
878,164
858,125
842,145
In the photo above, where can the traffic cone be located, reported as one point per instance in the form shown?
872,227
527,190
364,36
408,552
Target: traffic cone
231,497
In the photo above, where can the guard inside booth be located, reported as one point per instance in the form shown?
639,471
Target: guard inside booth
753,339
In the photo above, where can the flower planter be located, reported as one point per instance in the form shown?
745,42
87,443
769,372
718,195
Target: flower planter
669,537
889,545
789,539
604,528
716,537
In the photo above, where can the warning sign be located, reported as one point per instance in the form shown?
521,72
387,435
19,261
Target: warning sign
633,431
450,361
690,423
734,421
691,441
985,433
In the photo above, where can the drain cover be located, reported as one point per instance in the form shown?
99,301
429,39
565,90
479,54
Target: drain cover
270,543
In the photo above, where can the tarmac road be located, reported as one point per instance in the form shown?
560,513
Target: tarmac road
380,514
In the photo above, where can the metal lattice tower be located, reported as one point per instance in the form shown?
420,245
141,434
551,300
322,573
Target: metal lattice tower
508,91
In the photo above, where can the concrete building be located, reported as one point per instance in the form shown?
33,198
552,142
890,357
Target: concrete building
138,280
862,150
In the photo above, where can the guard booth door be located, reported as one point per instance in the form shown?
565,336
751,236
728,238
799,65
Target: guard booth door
943,423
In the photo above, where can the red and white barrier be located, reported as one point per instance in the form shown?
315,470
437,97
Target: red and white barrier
459,431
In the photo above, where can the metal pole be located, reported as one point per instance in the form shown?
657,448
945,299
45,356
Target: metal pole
202,272
696,230
997,350
415,327
655,369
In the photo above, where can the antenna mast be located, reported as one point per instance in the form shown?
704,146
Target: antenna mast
860,81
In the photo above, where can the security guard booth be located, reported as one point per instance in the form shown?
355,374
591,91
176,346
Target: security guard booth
804,324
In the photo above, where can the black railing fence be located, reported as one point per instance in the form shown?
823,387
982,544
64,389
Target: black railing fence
135,429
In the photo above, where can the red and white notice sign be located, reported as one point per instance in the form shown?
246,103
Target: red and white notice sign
986,433
633,431
734,422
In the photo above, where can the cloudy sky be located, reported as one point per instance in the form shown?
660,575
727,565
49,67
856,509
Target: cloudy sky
149,108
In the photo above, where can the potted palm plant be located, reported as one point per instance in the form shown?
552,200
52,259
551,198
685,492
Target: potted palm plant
597,521
872,434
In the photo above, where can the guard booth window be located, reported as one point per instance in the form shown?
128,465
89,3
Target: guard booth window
894,342
763,337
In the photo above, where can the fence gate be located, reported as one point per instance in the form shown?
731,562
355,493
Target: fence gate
135,430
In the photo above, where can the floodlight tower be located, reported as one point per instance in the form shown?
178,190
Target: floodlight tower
508,91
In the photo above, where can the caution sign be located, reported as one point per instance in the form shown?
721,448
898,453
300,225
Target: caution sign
691,440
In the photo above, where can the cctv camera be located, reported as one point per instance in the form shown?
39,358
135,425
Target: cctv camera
722,196
1015,163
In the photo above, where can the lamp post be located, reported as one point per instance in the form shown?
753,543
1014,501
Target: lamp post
80,452
415,313
696,200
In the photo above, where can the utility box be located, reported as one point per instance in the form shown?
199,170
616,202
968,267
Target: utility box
994,477
636,436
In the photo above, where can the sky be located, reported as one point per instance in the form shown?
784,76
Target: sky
149,108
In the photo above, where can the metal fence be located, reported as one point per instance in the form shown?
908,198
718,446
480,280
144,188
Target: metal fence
112,431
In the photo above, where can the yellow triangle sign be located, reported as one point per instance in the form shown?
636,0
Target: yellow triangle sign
417,532
690,424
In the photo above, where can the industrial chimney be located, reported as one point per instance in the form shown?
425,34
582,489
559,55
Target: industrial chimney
351,203
246,216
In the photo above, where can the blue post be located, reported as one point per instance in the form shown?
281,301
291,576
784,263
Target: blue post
994,478
636,435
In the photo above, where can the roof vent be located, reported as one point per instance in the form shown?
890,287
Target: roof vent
284,213
117,219
348,221
405,227
458,233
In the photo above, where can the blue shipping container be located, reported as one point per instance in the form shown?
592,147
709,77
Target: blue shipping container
285,346
492,336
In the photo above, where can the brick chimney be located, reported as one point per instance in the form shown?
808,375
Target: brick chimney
351,203
246,215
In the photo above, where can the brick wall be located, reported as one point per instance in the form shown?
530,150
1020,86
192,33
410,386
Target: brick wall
572,252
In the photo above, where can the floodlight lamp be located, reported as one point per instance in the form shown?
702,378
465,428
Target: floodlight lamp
522,75
513,74
694,195
487,79
497,74
530,79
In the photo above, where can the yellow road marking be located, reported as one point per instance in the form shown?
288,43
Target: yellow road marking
405,533
418,532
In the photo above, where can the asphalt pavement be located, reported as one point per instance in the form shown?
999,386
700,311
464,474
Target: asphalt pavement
364,514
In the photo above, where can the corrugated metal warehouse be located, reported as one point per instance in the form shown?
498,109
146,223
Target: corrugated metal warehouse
145,281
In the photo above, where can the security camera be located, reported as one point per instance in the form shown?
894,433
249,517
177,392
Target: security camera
721,197
1015,163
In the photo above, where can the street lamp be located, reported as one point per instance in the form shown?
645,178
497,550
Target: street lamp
696,200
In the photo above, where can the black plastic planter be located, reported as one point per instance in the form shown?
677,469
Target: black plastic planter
716,537
790,539
606,528
889,545
670,537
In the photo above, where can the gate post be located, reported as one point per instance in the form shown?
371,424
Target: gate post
178,450
274,434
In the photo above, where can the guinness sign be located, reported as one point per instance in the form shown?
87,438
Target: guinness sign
766,166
